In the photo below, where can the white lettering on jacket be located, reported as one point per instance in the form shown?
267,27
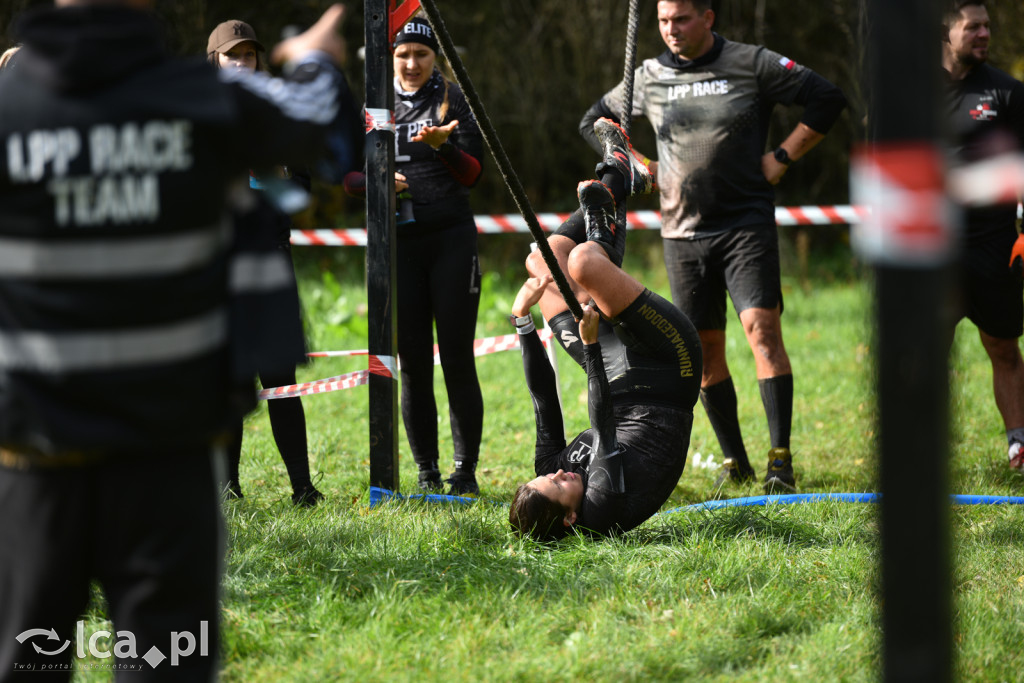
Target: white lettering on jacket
124,163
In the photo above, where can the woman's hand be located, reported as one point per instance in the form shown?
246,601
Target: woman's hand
588,325
400,184
529,294
435,136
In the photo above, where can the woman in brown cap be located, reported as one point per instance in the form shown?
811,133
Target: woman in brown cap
233,45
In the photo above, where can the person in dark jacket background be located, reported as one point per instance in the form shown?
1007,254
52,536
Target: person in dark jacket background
233,45
985,114
119,369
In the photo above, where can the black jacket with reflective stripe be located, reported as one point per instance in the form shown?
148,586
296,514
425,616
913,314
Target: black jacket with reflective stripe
114,242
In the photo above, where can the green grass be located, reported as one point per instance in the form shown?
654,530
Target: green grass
411,591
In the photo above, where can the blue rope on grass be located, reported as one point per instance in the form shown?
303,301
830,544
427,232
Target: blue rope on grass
379,495
840,497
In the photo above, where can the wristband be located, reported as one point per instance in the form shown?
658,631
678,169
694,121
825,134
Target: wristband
523,325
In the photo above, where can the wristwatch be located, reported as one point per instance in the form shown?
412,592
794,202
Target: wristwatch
782,156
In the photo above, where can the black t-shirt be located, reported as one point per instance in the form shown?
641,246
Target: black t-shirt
985,115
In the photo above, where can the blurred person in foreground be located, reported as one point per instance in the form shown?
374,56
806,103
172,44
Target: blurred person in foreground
985,117
119,368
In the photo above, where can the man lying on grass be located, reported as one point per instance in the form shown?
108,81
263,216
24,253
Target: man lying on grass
643,364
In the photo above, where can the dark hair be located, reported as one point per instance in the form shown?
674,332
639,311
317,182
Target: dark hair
699,5
532,513
953,8
214,58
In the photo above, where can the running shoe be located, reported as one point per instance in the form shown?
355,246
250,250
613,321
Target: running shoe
598,207
462,484
307,497
430,481
621,156
779,478
1016,455
735,472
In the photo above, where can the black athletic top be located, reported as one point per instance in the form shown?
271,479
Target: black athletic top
711,118
439,181
985,113
633,455
116,261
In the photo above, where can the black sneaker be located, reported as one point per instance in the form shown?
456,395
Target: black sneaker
598,206
430,481
462,484
735,472
621,156
307,497
779,477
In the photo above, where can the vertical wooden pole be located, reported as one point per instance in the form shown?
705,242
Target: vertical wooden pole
899,174
380,247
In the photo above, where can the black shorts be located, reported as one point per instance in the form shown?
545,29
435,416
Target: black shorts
654,353
991,296
743,261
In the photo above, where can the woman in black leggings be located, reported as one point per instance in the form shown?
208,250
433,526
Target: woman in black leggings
439,148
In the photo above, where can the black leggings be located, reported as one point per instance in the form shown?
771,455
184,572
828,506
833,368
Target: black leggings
439,280
288,422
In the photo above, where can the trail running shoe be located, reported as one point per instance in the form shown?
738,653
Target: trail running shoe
621,156
779,478
1016,455
735,472
462,484
430,481
307,497
598,207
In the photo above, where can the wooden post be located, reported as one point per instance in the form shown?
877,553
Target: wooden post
380,247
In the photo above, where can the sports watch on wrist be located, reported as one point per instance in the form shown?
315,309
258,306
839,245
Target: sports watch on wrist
782,156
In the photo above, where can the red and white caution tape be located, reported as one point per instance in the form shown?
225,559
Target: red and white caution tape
636,220
385,366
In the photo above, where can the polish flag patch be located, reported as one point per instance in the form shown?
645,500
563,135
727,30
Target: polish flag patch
787,63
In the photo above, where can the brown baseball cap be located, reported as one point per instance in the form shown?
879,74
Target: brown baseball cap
231,33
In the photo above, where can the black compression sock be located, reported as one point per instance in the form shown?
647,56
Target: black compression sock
719,401
567,332
615,182
777,397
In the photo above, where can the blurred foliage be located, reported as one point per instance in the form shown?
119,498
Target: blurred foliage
539,64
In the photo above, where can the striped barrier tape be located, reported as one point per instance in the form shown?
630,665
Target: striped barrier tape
635,220
381,365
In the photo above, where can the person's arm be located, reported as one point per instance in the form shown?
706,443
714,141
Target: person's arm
293,120
823,102
540,377
605,471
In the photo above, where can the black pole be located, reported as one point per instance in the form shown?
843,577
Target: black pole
380,246
910,250
498,152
